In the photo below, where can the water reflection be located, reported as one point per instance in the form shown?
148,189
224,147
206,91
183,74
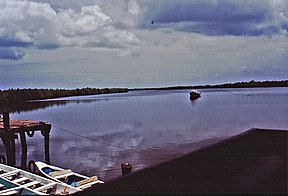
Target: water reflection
10,158
18,107
157,125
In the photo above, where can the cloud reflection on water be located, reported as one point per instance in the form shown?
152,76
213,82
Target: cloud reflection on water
159,125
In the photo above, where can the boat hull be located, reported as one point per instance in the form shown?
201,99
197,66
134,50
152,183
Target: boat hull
20,182
67,177
194,95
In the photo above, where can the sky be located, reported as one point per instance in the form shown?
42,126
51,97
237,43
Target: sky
143,43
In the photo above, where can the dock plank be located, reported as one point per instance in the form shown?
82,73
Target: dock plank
25,125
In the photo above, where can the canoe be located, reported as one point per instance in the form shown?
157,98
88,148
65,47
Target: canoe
14,181
66,176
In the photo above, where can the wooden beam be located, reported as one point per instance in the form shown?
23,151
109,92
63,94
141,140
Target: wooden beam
6,121
24,150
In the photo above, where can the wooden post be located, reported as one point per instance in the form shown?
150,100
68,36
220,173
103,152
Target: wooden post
9,143
47,153
24,150
8,140
45,132
6,121
126,168
13,149
6,143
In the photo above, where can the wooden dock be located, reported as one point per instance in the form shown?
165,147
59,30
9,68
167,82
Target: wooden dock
254,162
19,126
12,129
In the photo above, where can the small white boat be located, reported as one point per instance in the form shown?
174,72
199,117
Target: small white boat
66,176
14,181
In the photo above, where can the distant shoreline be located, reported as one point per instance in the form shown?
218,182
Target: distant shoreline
22,95
250,84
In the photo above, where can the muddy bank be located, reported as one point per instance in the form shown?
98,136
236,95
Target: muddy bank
252,162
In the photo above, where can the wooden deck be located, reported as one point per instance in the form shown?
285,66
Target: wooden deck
11,129
18,126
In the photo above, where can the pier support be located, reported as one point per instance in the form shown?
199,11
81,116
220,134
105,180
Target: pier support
46,133
7,137
24,150
10,128
9,143
6,121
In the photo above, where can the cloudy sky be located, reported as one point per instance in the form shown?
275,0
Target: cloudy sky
114,43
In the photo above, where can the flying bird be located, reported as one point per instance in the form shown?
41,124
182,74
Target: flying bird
152,22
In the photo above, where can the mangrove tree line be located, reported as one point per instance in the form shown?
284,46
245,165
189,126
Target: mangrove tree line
20,95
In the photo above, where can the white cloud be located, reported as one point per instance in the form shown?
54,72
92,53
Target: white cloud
75,30
36,24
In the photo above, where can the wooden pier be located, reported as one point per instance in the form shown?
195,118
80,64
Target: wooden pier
12,129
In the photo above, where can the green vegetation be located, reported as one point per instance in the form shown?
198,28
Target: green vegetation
250,84
22,95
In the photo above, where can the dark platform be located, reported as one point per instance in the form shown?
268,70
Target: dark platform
252,162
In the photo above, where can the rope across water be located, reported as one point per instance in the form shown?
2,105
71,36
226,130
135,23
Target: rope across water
91,139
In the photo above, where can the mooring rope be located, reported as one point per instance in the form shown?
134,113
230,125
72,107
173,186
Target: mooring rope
91,139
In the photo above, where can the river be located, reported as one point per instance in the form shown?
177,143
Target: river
93,135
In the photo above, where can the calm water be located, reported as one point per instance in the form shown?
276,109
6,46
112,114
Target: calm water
148,127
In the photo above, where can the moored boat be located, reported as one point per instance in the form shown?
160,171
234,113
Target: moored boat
14,181
66,176
194,94
10,188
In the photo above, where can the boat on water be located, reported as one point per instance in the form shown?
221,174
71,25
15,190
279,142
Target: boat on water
66,176
194,94
14,181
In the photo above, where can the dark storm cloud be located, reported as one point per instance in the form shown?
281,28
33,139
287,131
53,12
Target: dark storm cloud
11,53
218,17
4,42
